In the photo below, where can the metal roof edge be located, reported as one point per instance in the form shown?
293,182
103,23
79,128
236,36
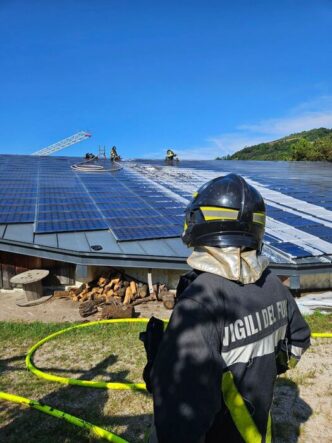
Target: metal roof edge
91,258
146,261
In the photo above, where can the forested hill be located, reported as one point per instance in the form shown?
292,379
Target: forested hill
313,145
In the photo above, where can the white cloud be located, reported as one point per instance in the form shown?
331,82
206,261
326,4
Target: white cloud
321,103
280,127
308,115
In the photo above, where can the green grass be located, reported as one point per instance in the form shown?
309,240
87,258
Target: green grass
319,322
103,352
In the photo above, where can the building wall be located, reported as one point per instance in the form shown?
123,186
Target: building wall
67,274
11,264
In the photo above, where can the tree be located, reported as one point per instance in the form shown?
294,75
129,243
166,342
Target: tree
324,148
300,149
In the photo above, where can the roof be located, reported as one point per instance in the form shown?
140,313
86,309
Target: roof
134,217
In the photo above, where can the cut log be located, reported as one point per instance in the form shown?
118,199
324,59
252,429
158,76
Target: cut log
143,300
122,292
84,296
116,287
133,287
107,287
117,311
102,281
162,289
61,294
143,291
78,290
101,299
168,300
109,298
88,308
114,281
128,296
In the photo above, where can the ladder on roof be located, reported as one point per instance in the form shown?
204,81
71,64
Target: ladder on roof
75,138
101,152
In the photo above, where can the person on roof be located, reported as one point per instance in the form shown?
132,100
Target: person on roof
114,155
234,327
170,155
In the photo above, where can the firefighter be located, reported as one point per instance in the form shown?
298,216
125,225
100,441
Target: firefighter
114,154
234,327
170,155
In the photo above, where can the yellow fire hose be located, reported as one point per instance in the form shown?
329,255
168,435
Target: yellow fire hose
74,381
96,430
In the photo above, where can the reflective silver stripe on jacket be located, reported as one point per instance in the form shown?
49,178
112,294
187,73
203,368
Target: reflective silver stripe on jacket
264,346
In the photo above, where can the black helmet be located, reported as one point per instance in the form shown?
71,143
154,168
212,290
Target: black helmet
226,211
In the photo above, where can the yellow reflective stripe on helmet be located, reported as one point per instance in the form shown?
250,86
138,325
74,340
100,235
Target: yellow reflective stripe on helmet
215,217
195,194
217,213
259,217
217,208
238,410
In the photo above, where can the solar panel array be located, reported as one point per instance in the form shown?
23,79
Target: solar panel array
63,203
133,207
140,202
46,191
298,198
18,190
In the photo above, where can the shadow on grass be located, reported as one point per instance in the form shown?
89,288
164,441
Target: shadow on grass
87,403
289,411
6,363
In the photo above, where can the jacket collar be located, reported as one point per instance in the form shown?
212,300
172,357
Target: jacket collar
231,263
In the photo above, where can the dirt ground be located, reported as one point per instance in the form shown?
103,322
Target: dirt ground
303,397
61,310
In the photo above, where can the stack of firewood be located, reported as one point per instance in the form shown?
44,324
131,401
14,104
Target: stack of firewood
115,288
115,296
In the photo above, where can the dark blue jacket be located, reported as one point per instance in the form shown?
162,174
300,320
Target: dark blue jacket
215,369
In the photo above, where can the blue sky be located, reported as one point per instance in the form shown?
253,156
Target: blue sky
205,78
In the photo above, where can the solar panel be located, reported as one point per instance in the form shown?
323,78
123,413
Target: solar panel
61,200
18,190
293,250
146,233
290,219
138,222
110,212
66,215
318,230
69,225
142,203
17,217
130,204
